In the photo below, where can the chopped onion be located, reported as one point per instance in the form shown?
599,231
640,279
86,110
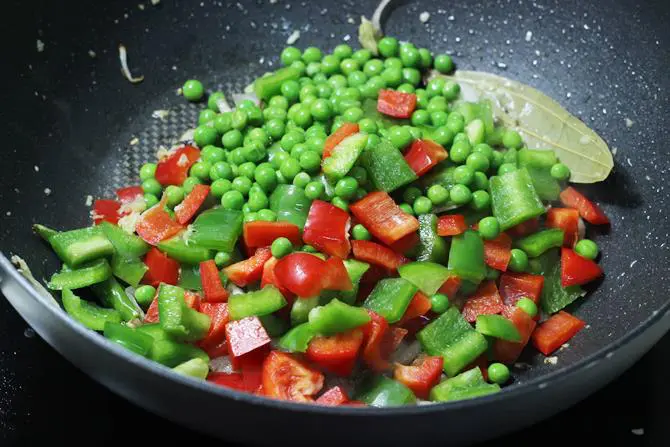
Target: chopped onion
223,105
160,114
377,15
186,137
221,365
123,57
293,38
234,290
239,97
24,270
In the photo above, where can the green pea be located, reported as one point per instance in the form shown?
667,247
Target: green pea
480,182
340,203
362,56
266,178
489,228
201,170
232,200
303,117
221,170
290,90
587,249
232,139
257,200
312,68
239,119
388,46
400,136
310,161
492,274
206,116
246,169
505,168
278,102
242,185
250,217
373,67
237,157
275,128
425,58
314,190
147,171
451,90
460,152
528,306
438,194
278,157
367,125
320,78
422,205
212,154
289,55
345,188
266,215
353,114
151,186
312,54
478,162
359,174
356,78
150,200
422,99
220,187
460,194
360,233
443,63
321,110
439,303
246,104
420,118
190,183
373,141
405,88
254,116
298,150
498,373
410,57
438,118
518,261
193,90
411,193
205,135
455,125
559,171
512,140
442,136
480,200
144,295
464,175
175,195
289,168
330,64
281,247
392,76
348,66
222,259
406,208
435,87
393,62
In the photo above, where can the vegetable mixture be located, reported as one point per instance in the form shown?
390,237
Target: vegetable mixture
359,221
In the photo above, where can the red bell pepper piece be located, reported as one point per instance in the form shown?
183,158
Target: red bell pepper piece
211,282
423,155
185,211
525,228
129,194
244,336
591,213
507,351
161,268
250,270
451,225
380,340
450,286
576,270
514,286
214,342
262,233
396,104
173,169
379,213
301,273
420,305
395,337
269,277
481,362
106,210
498,252
406,244
191,299
231,380
566,219
345,130
377,254
327,229
336,353
421,376
559,328
155,224
333,397
335,276
485,301
286,378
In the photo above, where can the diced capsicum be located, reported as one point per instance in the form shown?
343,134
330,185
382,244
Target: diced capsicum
197,368
508,351
335,276
76,247
167,351
214,343
129,194
379,213
125,244
383,392
162,268
336,317
589,211
90,315
513,198
184,250
173,169
111,294
421,376
131,339
128,270
485,301
217,229
539,163
466,256
189,277
514,286
344,131
376,254
451,225
211,282
290,204
177,318
419,306
250,270
498,252
84,276
553,333
44,232
466,385
454,339
245,336
155,224
537,243
423,155
450,286
298,338
274,325
327,228
185,211
554,295
343,156
258,303
336,353
106,210
524,228
268,86
262,233
566,219
390,298
497,326
431,246
427,276
333,397
386,167
355,271
301,273
396,104
577,270
286,378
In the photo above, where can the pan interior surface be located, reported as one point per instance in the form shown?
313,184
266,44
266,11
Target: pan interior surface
82,129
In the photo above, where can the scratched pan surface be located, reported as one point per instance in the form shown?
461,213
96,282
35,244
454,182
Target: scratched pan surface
70,117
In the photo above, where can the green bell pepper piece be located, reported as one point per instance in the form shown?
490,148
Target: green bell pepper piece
486,115
514,199
497,326
390,298
355,269
383,392
189,277
77,247
301,308
469,110
171,353
111,294
44,232
274,325
466,385
538,164
427,276
467,288
554,296
298,338
290,204
126,245
90,315
86,275
441,174
454,339
256,304
131,339
537,243
466,256
129,270
185,251
432,247
344,155
177,319
217,229
268,86
336,317
536,159
495,138
386,167
510,156
196,367
383,121
154,330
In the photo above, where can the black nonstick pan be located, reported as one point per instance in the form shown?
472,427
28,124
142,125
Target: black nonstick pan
74,126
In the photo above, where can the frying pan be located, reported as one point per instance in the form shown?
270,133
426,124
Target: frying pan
70,118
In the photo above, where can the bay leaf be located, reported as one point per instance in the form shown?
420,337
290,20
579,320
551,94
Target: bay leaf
542,122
